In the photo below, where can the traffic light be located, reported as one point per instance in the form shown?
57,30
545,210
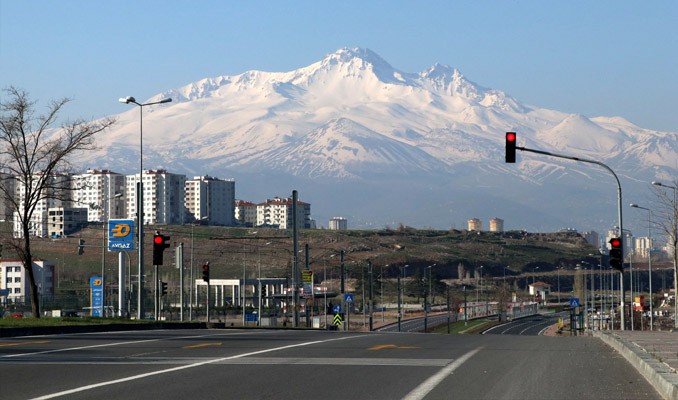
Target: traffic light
264,291
163,286
160,243
206,272
616,254
510,147
81,246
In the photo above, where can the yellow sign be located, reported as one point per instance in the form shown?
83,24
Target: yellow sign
120,230
338,320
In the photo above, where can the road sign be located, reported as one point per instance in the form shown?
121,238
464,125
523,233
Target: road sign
120,234
338,320
336,309
348,297
574,302
96,293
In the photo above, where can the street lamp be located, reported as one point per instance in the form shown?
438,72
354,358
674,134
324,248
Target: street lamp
674,233
649,255
140,196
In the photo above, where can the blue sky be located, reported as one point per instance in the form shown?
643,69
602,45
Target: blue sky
612,58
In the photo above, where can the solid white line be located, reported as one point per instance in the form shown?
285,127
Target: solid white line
198,364
425,388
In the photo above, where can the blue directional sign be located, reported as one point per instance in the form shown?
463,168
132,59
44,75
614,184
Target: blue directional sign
574,302
120,234
336,309
348,297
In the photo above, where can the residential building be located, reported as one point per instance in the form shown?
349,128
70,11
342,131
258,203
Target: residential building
338,224
163,196
278,212
8,183
245,213
102,192
474,224
14,280
64,221
592,238
641,246
56,193
211,199
496,225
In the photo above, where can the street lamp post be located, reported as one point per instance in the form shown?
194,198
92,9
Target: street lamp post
140,196
674,233
649,256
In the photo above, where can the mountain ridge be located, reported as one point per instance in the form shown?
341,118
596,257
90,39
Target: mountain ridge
353,119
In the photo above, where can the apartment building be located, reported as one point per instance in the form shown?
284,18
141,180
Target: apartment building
8,183
278,212
338,224
163,196
474,224
245,213
14,280
496,225
55,194
102,192
211,199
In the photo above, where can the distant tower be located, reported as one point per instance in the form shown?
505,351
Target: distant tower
338,224
496,225
474,224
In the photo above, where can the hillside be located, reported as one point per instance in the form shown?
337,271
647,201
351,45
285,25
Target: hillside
229,250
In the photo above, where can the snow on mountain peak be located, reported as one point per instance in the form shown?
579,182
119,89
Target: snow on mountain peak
352,117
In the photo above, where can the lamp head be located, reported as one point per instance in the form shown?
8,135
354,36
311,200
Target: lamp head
127,100
634,205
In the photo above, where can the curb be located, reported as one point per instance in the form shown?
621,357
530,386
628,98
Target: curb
658,374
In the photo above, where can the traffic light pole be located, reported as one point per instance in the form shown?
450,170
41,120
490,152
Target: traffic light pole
619,210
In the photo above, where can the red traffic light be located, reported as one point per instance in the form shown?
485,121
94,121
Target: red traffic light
615,243
510,147
158,239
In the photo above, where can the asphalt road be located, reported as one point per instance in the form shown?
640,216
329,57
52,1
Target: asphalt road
533,325
289,364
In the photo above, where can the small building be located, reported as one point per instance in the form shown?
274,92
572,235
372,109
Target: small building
540,291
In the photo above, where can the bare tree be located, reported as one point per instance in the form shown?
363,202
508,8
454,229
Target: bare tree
36,155
666,221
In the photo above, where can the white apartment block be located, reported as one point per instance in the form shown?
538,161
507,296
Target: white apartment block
496,225
97,189
474,224
163,196
245,213
55,195
279,212
14,279
338,224
211,199
641,246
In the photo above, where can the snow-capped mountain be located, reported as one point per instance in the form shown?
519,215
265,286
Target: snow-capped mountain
364,140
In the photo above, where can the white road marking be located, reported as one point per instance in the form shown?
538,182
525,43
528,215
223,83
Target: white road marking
198,364
114,344
425,388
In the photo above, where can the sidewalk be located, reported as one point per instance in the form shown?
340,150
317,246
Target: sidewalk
653,354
